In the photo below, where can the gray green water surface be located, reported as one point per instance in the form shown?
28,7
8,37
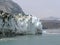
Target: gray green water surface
45,39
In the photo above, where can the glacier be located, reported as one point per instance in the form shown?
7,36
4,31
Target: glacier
20,24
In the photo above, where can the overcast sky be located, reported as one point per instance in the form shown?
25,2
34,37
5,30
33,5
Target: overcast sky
40,8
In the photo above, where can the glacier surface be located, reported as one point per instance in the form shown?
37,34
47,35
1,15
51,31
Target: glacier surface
26,24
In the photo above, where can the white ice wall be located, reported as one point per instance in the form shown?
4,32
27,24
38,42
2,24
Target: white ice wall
28,24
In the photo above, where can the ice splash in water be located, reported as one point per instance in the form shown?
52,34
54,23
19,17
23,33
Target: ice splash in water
51,31
25,24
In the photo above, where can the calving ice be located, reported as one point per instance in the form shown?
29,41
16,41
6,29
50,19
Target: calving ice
28,24
13,21
19,24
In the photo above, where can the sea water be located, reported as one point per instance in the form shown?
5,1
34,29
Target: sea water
44,39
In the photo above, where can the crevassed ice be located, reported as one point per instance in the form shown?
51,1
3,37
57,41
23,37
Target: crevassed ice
27,24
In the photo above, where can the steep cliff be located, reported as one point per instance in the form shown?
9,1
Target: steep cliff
10,7
19,24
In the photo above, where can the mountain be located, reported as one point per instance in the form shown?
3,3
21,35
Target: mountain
10,7
50,24
51,18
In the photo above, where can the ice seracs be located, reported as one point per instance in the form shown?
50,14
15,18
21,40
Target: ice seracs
29,24
19,24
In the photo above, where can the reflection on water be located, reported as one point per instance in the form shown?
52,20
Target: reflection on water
7,39
44,39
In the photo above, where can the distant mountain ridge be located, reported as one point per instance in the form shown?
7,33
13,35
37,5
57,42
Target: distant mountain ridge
50,24
51,18
10,7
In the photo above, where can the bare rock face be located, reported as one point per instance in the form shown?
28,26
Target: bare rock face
10,7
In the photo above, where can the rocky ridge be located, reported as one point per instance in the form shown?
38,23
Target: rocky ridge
10,7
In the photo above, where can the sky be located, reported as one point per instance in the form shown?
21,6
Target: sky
40,8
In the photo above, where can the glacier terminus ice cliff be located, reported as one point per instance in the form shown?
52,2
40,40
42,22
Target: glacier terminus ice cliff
13,21
19,24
